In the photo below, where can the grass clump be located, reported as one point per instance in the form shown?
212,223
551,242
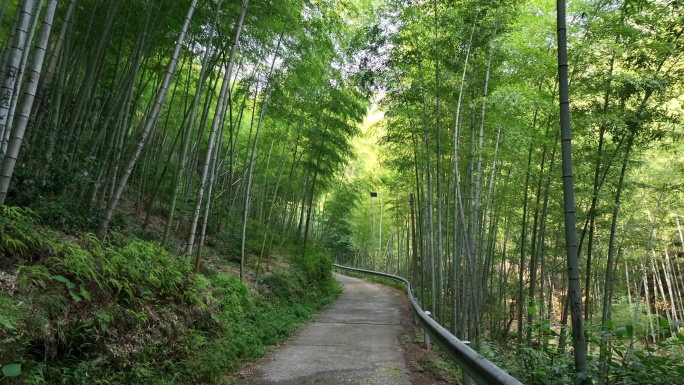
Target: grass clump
79,311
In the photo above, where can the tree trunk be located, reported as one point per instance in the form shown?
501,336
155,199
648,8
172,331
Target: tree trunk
459,216
414,246
438,176
11,71
17,133
430,201
574,290
643,283
185,141
218,116
248,180
477,236
613,229
523,239
269,217
149,125
49,72
20,77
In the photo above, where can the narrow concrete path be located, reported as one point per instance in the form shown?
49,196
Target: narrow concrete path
356,341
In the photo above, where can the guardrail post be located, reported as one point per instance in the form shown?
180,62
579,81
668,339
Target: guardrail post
415,316
426,336
466,378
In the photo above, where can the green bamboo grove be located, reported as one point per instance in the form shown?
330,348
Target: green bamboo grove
425,138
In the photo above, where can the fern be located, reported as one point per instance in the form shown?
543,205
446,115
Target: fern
17,226
17,213
36,275
72,259
14,245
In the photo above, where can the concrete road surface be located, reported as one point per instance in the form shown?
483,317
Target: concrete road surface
356,341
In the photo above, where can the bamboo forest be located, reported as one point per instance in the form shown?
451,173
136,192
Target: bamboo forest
177,178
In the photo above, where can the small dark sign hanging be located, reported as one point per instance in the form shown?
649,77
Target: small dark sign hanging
374,194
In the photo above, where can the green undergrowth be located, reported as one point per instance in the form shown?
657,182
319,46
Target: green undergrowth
618,353
74,310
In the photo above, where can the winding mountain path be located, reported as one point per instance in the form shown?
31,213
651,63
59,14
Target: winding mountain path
355,341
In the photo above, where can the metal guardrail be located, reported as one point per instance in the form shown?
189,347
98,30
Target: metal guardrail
480,369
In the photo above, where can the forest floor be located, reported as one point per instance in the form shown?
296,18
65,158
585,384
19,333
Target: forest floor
427,366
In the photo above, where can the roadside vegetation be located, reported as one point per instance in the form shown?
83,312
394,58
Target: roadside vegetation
76,310
161,165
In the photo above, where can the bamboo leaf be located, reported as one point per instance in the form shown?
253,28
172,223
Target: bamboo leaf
664,323
11,370
630,330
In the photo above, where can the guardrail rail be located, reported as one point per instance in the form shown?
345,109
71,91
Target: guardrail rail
480,369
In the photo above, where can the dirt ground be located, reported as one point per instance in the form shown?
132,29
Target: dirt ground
426,366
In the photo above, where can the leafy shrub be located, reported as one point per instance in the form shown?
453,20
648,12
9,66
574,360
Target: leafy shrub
624,360
228,242
316,266
127,311
64,213
617,355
